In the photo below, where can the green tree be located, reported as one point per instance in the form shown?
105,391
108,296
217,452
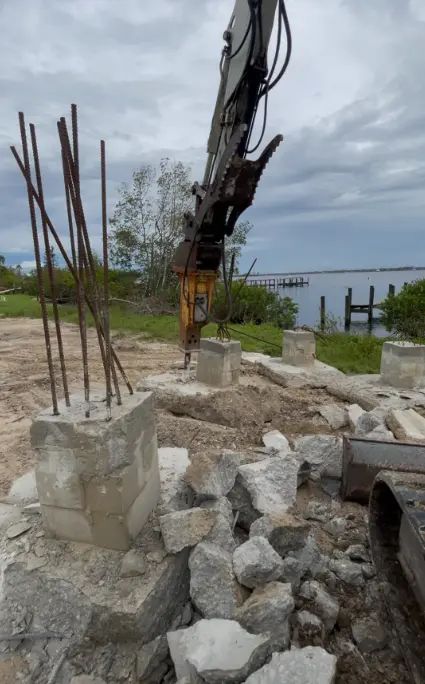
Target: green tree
404,313
2,260
235,243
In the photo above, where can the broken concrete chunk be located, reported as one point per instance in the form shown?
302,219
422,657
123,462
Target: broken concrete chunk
369,635
347,571
213,586
276,441
218,651
256,562
221,534
222,505
354,413
335,416
17,529
150,657
407,425
87,679
320,602
336,527
9,515
358,552
176,495
367,422
304,564
268,610
284,532
317,511
272,483
309,665
186,528
23,490
307,627
322,452
381,434
133,563
213,474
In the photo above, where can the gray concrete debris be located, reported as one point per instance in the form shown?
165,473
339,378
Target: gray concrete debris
213,474
381,434
23,490
222,505
347,571
187,614
276,441
186,528
368,570
317,511
213,587
307,563
369,635
241,502
359,553
367,422
354,412
336,527
176,495
407,425
284,532
87,679
219,651
320,602
133,563
307,628
221,534
17,529
309,665
322,452
272,483
268,610
151,656
256,562
9,515
334,415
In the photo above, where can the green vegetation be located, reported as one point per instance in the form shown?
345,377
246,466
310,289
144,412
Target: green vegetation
349,353
404,313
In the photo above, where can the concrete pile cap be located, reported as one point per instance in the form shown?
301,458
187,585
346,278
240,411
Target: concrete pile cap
210,344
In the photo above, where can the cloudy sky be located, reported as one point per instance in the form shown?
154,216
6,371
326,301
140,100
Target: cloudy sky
347,187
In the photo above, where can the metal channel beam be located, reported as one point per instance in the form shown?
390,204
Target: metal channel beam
363,459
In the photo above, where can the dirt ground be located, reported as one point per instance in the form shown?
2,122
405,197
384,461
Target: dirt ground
226,421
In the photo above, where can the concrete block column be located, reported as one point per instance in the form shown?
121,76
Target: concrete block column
219,362
97,481
403,364
299,348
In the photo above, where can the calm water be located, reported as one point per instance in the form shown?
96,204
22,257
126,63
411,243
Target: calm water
334,287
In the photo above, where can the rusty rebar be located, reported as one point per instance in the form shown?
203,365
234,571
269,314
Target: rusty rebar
65,256
40,283
69,211
49,264
105,279
91,266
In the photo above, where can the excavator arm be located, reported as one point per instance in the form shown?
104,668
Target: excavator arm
230,179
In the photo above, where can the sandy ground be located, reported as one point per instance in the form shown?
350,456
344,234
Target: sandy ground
235,420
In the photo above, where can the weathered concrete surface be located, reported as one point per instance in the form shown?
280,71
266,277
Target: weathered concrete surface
186,528
287,375
310,665
322,452
78,590
218,651
213,586
219,362
317,600
354,412
284,532
97,481
335,415
276,441
403,364
213,474
299,348
256,562
23,490
175,495
407,425
268,609
271,483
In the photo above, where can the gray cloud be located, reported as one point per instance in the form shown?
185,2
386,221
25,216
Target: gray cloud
346,185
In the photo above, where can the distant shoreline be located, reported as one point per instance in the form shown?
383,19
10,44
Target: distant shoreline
341,270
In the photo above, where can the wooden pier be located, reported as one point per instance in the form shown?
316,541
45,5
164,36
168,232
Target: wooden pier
351,308
273,283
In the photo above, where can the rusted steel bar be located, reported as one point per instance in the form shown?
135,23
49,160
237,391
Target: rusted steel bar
105,280
67,260
40,283
49,264
88,255
69,212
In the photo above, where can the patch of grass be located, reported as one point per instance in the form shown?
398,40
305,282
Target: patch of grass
348,353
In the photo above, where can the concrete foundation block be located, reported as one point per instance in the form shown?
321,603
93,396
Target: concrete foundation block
97,481
299,348
403,364
219,362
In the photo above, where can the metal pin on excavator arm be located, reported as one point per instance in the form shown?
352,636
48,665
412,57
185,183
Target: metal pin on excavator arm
230,180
